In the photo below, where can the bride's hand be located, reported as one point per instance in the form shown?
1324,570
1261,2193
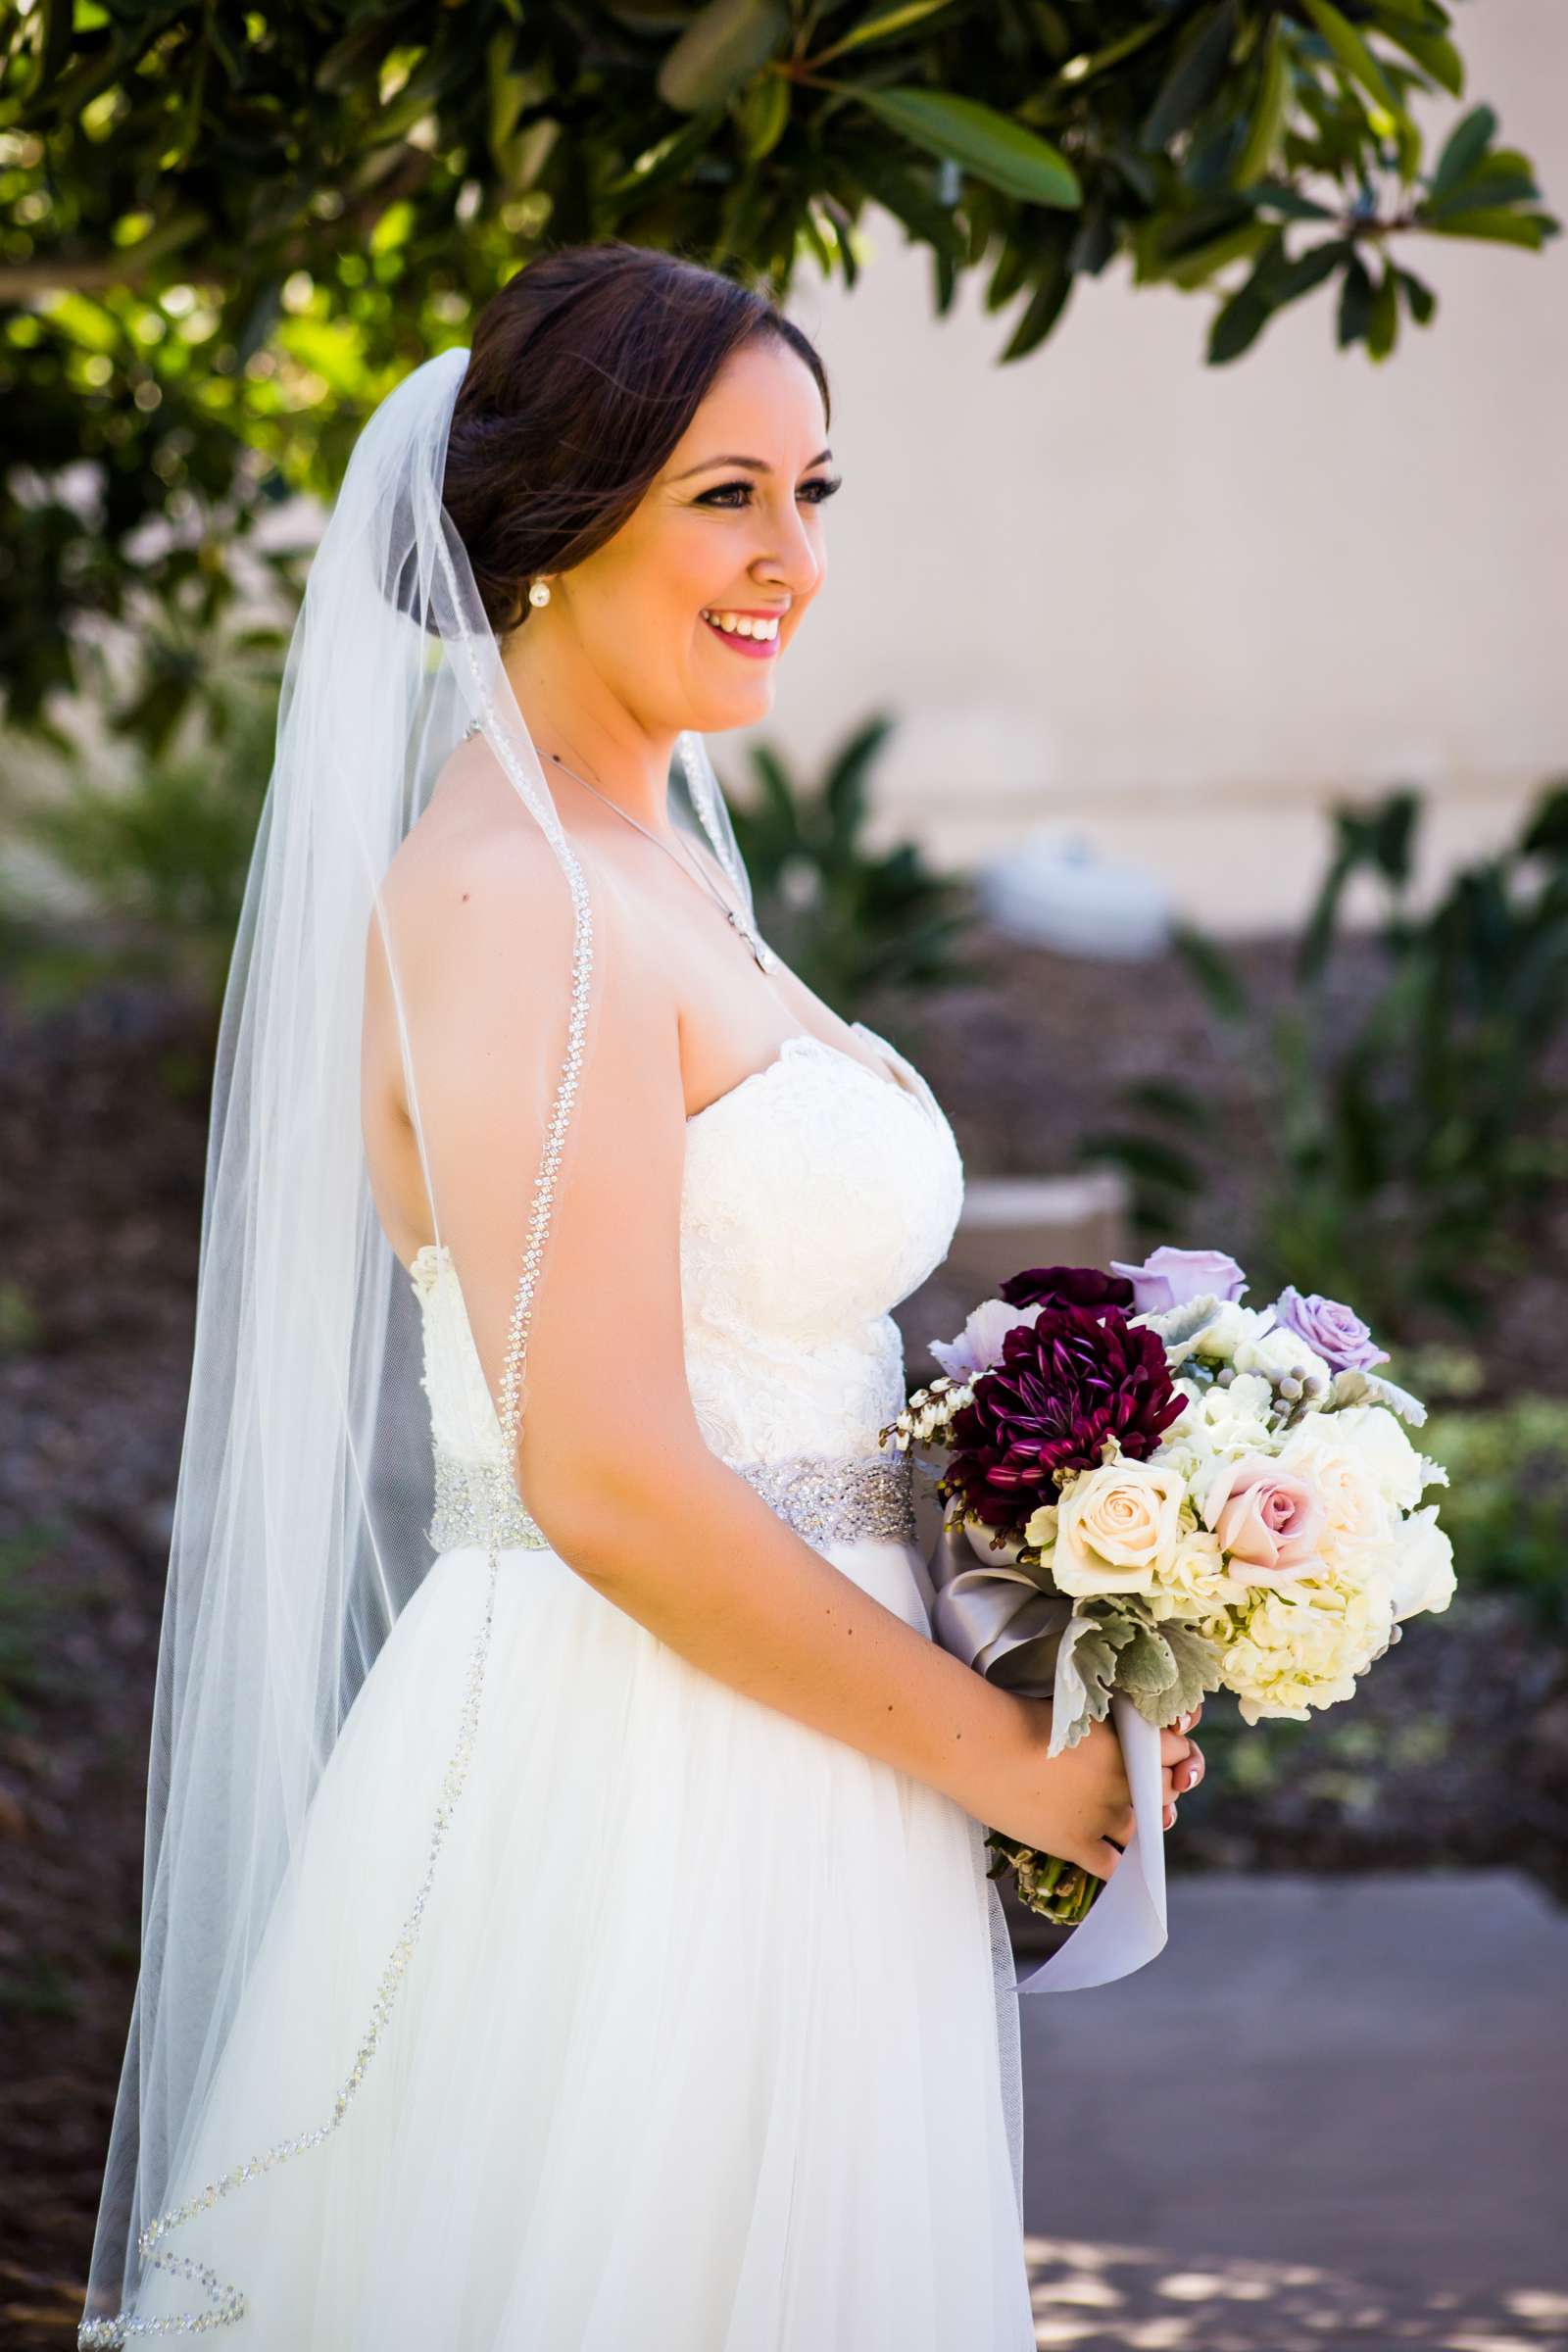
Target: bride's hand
1077,1805
1180,1762
1071,1805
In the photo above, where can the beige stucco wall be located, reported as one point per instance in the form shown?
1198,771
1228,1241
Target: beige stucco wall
1177,610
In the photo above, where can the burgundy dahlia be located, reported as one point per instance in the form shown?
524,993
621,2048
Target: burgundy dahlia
1066,1286
1064,1383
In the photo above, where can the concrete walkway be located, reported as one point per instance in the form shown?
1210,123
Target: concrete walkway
1333,2111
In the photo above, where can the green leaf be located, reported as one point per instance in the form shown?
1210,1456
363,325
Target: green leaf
668,160
1355,304
1042,310
1352,54
1237,325
1196,74
1433,53
1530,229
991,146
1383,328
1545,833
903,191
1088,63
1224,989
763,112
882,26
1418,295
721,48
1308,271
1008,278
1269,109
1502,177
1275,197
1195,267
1463,149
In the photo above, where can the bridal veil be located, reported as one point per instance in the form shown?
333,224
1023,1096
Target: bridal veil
304,1486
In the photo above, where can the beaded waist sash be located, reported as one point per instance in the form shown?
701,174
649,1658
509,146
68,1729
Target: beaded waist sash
826,1498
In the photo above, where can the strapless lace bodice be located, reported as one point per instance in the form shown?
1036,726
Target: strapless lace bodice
817,1194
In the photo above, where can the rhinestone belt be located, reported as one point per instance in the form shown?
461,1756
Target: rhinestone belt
824,1498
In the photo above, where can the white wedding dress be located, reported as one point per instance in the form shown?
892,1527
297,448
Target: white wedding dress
708,2040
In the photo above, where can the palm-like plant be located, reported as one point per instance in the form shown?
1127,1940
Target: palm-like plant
856,923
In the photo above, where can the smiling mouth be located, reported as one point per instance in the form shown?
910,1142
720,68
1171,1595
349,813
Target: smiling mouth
756,649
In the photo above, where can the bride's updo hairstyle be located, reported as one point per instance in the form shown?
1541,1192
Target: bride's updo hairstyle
584,371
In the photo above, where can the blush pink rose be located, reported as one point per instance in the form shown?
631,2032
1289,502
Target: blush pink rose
1271,1521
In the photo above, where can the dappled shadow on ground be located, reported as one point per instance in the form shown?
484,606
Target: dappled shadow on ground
1125,2298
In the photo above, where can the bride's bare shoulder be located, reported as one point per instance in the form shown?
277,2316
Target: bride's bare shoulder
477,902
473,863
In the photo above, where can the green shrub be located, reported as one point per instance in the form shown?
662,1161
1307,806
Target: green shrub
1507,1509
853,922
1411,1129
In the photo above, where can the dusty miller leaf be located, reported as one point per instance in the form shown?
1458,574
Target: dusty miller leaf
1086,1676
1148,1666
1194,1661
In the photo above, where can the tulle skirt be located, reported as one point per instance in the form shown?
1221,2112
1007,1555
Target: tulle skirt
706,2041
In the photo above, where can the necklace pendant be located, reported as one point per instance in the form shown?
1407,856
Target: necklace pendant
763,953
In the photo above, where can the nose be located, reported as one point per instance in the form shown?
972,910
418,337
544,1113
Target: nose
795,560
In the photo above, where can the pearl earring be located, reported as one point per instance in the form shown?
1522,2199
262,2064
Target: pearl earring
539,592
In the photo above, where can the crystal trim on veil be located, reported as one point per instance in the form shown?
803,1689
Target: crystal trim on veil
227,2301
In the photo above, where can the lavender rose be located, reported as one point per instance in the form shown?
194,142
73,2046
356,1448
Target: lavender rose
1339,1335
1168,1277
979,1343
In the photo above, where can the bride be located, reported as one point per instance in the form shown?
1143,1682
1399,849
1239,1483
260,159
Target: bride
579,1937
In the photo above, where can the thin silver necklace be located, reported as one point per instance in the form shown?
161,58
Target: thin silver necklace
760,948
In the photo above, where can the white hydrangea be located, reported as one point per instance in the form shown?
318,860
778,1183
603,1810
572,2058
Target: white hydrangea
1217,1427
1302,1648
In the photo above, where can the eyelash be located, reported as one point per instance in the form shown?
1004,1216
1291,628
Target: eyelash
823,483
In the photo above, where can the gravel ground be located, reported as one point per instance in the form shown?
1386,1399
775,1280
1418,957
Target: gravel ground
1456,1754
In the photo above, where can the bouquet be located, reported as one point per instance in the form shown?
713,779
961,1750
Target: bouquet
1151,1491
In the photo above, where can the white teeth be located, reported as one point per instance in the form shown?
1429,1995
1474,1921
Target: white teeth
740,624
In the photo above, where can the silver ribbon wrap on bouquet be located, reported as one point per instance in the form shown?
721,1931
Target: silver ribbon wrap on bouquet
996,1618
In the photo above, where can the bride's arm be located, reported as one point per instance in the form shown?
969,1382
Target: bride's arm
611,1462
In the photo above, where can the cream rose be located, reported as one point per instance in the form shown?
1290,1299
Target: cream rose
1117,1528
1379,1437
1420,1575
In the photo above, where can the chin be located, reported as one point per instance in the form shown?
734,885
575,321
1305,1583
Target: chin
714,715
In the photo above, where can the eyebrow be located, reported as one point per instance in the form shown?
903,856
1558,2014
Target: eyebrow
755,465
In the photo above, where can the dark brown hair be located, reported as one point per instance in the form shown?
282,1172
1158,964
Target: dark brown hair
583,372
